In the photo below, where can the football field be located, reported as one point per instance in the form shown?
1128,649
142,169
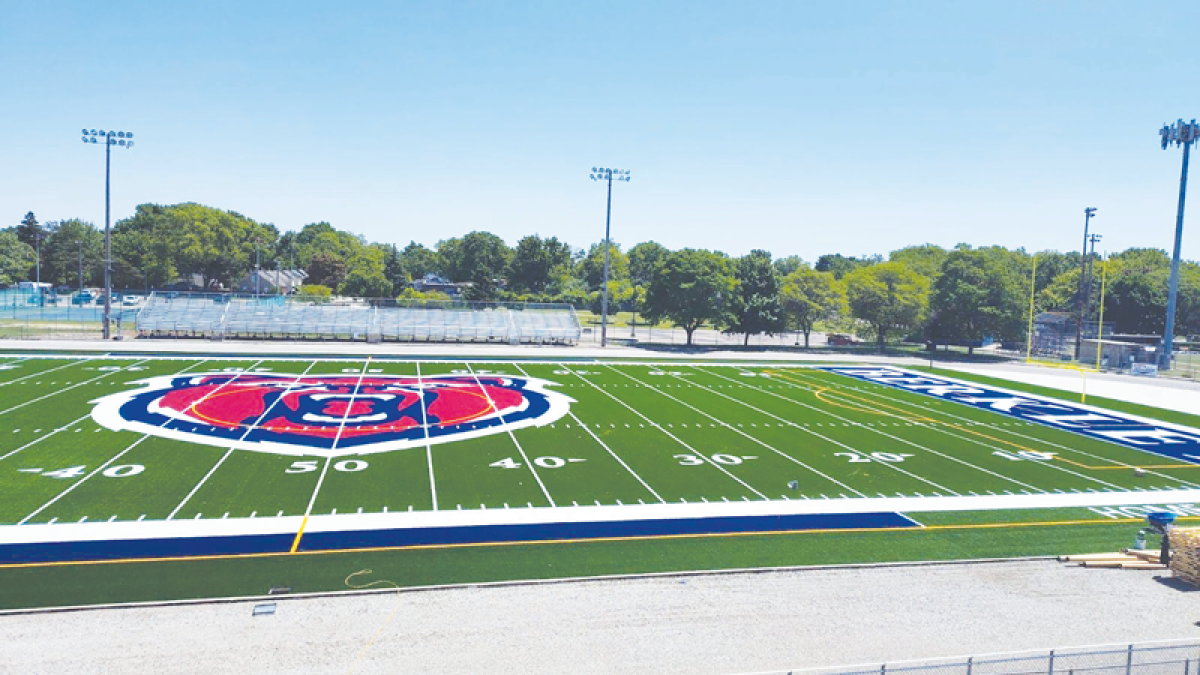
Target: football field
233,446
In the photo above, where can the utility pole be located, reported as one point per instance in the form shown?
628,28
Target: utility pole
1183,134
111,138
80,245
1087,213
1087,292
607,175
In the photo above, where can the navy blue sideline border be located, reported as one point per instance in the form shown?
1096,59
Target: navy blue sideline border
183,547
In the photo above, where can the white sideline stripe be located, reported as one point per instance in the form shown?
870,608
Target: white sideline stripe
663,429
883,433
504,425
65,365
59,391
942,429
603,445
733,428
230,450
995,426
155,529
337,437
428,445
68,425
823,437
131,446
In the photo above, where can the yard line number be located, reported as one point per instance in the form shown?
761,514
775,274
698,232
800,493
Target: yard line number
719,458
345,466
119,471
543,462
890,457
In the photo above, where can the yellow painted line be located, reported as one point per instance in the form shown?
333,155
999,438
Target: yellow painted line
299,534
589,540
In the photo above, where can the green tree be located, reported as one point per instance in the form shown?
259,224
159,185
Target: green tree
808,296
16,258
480,258
29,231
887,296
326,269
532,262
366,283
840,265
925,259
591,268
785,266
755,303
690,287
60,254
977,296
643,259
417,261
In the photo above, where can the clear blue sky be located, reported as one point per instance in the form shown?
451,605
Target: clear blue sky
801,128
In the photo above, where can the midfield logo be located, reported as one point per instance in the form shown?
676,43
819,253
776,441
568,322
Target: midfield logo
329,415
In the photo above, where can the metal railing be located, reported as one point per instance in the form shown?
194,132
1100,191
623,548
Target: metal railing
1152,658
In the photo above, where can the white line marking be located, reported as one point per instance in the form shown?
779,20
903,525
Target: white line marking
247,433
59,391
884,433
942,429
603,445
51,370
341,426
428,445
39,440
830,440
673,436
504,425
739,431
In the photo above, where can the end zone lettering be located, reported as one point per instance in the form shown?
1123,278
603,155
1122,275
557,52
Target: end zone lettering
1168,440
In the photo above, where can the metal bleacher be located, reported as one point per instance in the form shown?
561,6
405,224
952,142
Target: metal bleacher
231,316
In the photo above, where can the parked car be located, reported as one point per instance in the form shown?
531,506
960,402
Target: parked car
82,298
841,340
129,300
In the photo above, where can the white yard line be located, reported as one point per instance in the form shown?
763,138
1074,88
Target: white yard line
605,446
504,425
229,452
45,436
428,445
942,429
743,433
59,391
656,425
51,370
995,427
131,446
824,437
341,426
882,433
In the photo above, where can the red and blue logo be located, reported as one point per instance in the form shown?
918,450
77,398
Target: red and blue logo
330,415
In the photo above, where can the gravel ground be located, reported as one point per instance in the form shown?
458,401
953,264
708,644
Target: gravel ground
702,624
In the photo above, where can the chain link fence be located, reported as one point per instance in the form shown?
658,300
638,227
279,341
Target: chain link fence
1159,658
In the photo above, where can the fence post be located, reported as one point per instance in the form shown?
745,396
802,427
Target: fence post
1129,660
883,669
970,664
1050,671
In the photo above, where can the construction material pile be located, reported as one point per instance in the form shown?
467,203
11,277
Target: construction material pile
1125,559
1185,553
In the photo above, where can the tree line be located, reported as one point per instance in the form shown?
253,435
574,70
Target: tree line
925,292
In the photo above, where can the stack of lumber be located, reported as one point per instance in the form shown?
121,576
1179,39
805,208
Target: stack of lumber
1185,553
1126,559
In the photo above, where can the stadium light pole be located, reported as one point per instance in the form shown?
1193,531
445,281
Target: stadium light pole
79,243
1087,291
1183,134
1088,213
109,139
607,175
